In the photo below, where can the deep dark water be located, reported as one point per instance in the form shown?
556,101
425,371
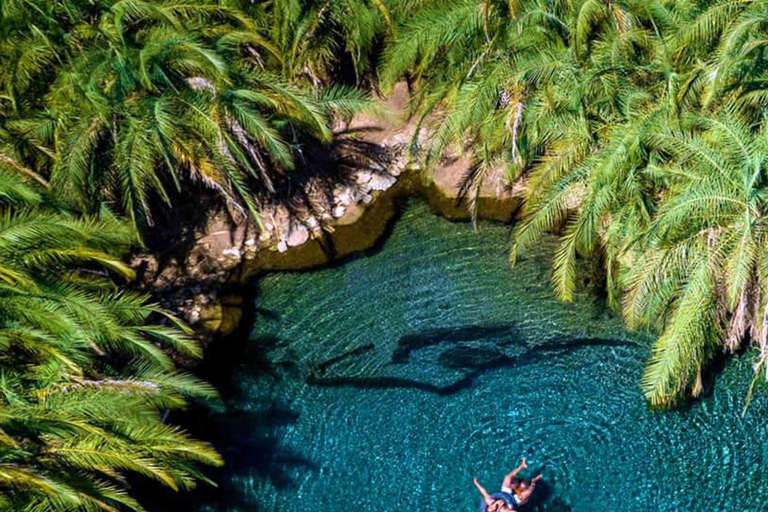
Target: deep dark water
388,382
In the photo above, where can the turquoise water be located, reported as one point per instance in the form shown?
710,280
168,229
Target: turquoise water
388,382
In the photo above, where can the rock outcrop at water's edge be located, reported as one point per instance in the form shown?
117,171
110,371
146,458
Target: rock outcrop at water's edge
333,221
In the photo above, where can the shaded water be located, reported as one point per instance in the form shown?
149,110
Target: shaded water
388,382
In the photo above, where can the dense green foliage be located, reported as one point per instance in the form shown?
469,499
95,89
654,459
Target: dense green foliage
120,101
108,109
639,130
84,381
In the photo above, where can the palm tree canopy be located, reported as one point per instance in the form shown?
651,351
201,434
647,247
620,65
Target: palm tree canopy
85,372
638,129
119,101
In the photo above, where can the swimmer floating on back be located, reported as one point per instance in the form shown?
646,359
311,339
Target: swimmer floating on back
514,492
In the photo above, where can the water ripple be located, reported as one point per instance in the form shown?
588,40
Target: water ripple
410,371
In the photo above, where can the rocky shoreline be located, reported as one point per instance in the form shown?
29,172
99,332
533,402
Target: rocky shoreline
203,289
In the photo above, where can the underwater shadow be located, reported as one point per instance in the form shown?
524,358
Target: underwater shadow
472,350
247,431
251,444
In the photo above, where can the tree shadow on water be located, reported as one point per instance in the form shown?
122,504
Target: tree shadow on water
251,443
252,447
468,351
248,432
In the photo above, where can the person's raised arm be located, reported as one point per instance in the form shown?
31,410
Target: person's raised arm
486,497
527,493
508,479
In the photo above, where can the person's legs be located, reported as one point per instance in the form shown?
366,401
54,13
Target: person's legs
495,506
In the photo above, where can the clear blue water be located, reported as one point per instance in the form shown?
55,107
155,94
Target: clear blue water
388,382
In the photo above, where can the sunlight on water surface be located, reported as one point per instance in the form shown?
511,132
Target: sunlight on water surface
388,382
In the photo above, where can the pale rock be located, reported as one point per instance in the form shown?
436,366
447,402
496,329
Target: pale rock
382,181
359,195
367,198
363,177
282,246
343,196
298,235
229,263
265,233
199,83
233,252
401,139
313,223
350,197
282,220
339,211
266,211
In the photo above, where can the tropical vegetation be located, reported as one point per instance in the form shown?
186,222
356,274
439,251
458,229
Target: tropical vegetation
109,111
639,131
120,102
84,379
637,127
